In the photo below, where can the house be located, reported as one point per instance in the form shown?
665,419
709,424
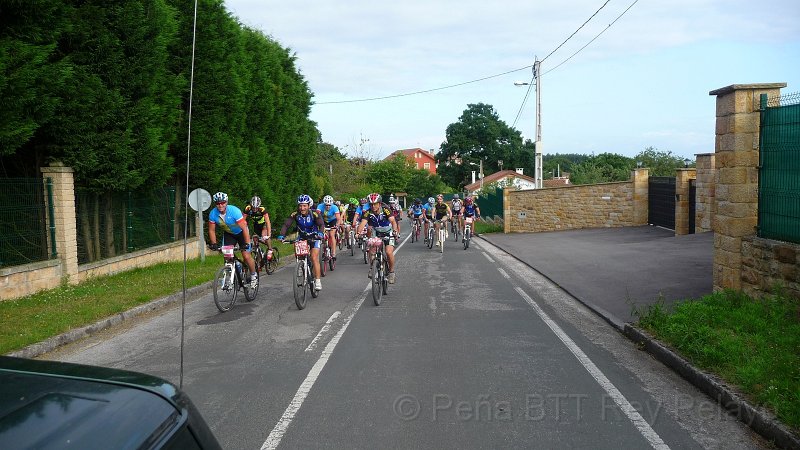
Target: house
503,178
557,181
423,159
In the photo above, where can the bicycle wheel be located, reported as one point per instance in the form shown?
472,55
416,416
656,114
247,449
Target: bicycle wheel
323,261
299,284
258,257
456,232
364,250
339,241
467,234
314,292
332,263
351,244
249,293
225,289
377,280
272,264
430,237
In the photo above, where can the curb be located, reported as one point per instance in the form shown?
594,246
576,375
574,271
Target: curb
761,421
73,335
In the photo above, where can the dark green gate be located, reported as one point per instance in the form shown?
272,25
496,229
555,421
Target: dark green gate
779,173
661,202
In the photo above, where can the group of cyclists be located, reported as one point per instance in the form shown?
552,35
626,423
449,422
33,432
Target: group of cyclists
315,224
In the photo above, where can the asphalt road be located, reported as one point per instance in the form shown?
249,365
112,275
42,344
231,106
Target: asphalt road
470,349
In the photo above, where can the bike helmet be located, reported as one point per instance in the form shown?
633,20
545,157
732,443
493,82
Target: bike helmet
417,201
455,196
468,200
363,200
220,197
304,199
327,200
374,198
392,199
353,201
440,197
255,202
431,200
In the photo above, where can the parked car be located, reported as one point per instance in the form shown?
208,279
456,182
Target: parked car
55,405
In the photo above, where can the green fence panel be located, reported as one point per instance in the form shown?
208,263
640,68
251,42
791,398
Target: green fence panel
491,202
779,173
25,222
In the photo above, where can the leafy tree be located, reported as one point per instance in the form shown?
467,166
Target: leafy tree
423,184
390,175
479,135
603,168
563,162
660,163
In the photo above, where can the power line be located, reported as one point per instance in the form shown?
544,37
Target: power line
593,39
576,31
425,91
524,102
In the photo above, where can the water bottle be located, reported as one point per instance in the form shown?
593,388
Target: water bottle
269,255
239,270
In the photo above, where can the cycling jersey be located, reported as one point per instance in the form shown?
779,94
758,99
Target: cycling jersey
257,214
470,210
428,210
416,210
227,220
351,214
441,210
456,205
307,224
380,220
328,215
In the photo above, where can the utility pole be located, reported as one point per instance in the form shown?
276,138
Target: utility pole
537,74
481,175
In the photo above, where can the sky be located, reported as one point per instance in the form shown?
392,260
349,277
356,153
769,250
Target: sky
644,80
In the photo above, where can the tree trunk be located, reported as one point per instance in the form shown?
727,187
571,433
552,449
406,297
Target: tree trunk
108,215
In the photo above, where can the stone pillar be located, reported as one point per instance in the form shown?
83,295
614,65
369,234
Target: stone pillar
65,219
682,177
506,210
704,206
736,159
641,189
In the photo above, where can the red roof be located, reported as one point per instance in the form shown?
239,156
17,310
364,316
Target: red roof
420,157
497,176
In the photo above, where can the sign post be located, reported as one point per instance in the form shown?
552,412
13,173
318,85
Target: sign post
200,200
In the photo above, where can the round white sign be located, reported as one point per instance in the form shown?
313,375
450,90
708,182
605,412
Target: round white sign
199,199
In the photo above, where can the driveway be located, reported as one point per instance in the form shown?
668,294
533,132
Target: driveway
611,270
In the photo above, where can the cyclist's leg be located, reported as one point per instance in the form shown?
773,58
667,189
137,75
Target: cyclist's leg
332,235
315,258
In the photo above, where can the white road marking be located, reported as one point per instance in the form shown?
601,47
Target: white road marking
324,330
638,421
504,273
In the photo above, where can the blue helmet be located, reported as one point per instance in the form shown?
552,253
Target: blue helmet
304,199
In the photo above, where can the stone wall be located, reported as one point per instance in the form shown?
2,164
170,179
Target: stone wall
573,207
767,263
682,185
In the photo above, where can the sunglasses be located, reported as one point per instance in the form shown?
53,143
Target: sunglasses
221,203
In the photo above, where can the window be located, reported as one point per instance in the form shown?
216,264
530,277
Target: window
427,166
417,155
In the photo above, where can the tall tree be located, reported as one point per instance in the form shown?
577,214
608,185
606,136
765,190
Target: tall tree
479,135
660,163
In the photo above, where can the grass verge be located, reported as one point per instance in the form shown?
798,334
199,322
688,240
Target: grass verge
28,320
753,344
485,227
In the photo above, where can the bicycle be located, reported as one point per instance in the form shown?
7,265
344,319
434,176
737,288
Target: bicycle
429,239
326,259
362,244
380,276
467,231
454,228
230,278
268,260
442,235
351,241
414,230
339,239
303,273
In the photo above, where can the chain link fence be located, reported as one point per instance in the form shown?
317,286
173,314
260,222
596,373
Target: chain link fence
26,220
111,224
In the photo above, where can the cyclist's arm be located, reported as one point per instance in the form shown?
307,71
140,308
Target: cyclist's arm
361,226
286,225
320,223
395,226
267,226
212,233
245,229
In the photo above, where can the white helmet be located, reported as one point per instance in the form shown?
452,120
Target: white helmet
220,197
431,200
327,200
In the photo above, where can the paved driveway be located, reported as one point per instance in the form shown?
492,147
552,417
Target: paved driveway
612,269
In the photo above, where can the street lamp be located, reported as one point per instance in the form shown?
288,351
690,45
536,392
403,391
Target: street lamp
686,162
537,75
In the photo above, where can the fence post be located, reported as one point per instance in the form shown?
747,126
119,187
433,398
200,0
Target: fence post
682,177
63,205
130,223
641,189
736,193
705,192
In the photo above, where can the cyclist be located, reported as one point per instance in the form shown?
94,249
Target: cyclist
350,215
471,209
440,211
427,210
380,218
309,225
415,212
455,206
394,206
234,231
262,226
332,217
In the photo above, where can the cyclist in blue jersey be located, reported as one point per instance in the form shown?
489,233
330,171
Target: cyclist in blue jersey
427,211
332,218
380,218
471,209
234,231
416,212
309,226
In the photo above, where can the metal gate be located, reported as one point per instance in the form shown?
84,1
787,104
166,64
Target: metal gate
661,202
692,204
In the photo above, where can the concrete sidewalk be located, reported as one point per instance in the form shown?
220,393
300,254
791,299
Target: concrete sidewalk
611,270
